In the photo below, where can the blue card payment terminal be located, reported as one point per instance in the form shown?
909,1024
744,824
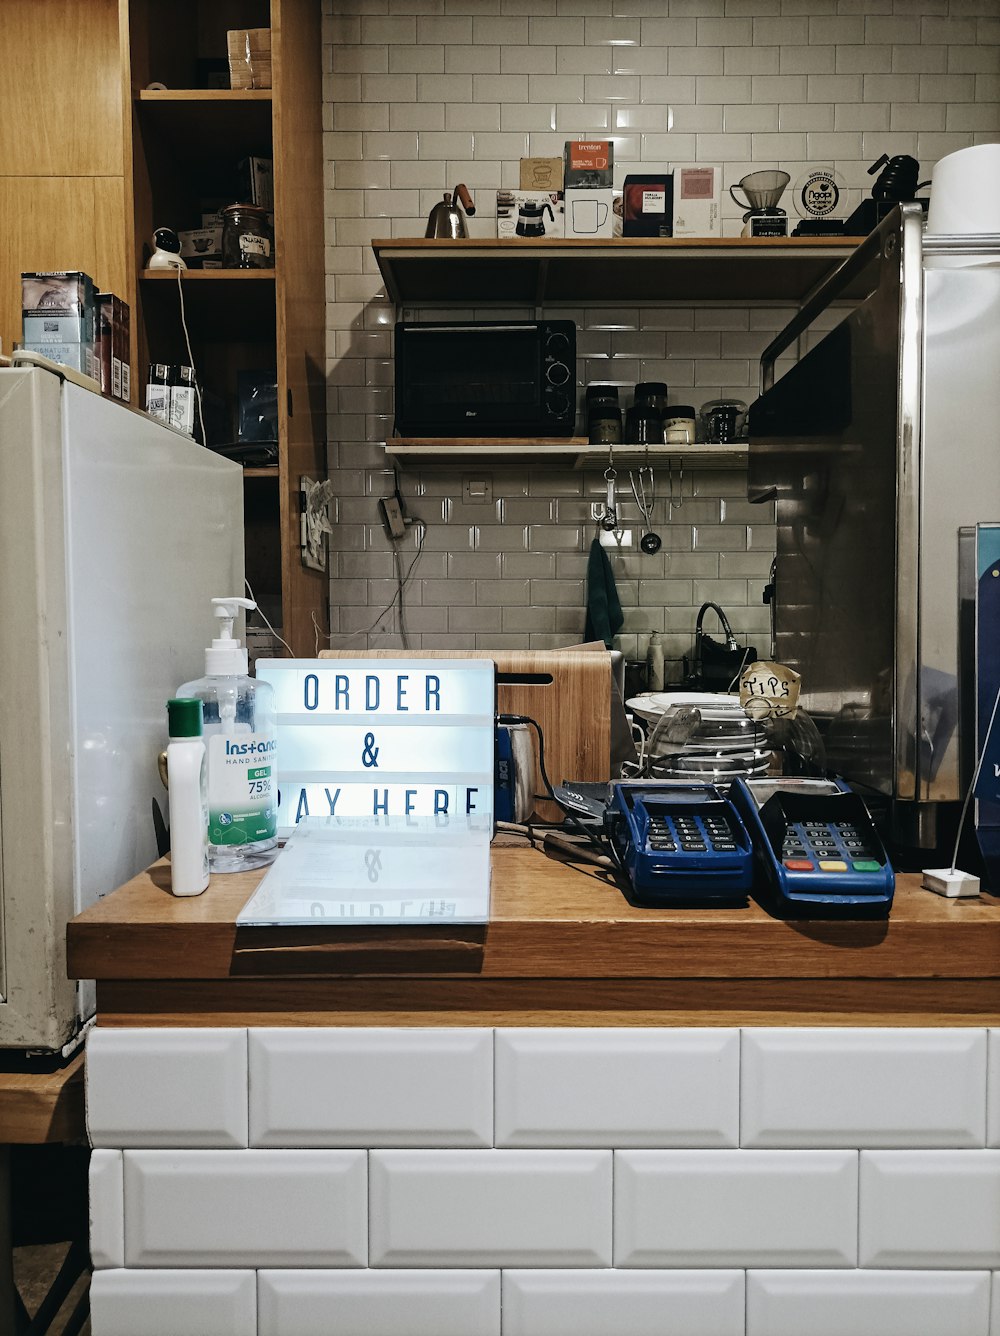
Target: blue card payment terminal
817,852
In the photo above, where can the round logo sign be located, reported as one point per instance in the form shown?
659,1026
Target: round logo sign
818,193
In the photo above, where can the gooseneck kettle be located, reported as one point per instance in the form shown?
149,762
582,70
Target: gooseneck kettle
446,219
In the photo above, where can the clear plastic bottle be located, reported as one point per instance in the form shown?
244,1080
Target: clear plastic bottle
242,751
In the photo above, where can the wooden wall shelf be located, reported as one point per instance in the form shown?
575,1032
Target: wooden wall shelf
729,270
572,450
207,121
220,304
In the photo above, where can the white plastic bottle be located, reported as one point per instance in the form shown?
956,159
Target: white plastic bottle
654,663
187,798
241,746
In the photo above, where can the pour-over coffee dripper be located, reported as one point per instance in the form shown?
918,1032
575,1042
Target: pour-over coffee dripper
762,191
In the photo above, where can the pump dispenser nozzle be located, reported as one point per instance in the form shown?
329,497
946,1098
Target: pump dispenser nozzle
227,657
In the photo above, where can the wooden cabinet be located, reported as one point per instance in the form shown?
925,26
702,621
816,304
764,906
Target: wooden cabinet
186,141
62,147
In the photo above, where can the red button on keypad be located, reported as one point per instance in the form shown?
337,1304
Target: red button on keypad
798,865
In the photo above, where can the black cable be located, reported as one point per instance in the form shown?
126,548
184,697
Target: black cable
596,840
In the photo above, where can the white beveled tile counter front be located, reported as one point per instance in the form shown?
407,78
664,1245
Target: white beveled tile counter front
498,1223
583,1117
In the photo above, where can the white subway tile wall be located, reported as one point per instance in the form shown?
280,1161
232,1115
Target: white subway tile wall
503,1241
421,94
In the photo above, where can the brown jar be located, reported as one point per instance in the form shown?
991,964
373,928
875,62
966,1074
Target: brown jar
247,238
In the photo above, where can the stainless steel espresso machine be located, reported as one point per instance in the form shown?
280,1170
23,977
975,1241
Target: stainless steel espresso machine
880,445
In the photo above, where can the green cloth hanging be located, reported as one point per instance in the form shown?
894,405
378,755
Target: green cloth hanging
604,611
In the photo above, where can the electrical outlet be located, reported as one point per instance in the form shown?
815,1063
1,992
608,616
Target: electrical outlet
391,510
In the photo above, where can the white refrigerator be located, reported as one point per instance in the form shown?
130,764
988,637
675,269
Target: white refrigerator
115,532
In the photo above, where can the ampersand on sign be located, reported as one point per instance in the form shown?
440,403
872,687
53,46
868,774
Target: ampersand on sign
369,757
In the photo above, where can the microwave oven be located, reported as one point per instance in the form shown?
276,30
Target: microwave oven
486,378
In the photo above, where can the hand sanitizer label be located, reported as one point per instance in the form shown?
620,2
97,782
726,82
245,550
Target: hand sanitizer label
242,793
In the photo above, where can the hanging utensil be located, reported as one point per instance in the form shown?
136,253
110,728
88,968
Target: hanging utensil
644,493
609,520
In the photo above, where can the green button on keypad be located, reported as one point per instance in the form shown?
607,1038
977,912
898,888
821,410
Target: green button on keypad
867,865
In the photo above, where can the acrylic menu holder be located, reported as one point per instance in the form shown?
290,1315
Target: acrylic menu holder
377,870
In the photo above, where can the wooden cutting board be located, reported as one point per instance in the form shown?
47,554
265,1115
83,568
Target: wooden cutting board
567,692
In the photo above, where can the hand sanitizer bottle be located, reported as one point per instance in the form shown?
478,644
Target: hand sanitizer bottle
187,798
242,752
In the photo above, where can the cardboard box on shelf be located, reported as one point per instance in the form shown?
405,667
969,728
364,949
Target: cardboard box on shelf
58,292
77,356
697,200
249,57
648,205
57,317
256,176
589,164
111,348
590,214
528,209
541,174
201,242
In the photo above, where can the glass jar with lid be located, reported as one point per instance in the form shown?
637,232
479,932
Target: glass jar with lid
247,238
723,419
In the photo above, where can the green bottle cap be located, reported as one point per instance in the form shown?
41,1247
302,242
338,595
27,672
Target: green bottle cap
185,718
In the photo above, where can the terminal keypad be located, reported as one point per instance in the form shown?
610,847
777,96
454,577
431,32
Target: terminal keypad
690,833
827,846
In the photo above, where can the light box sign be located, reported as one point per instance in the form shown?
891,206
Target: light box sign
383,737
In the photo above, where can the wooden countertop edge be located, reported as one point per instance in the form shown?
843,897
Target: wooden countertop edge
549,921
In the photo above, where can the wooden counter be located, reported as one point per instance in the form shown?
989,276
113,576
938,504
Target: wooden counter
562,947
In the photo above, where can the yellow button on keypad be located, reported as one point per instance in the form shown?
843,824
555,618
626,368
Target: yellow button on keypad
832,865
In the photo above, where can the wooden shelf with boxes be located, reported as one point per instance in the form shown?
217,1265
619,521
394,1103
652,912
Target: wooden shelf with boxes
187,139
515,272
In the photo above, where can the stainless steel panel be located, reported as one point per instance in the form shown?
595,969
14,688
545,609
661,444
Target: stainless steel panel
960,481
905,395
824,439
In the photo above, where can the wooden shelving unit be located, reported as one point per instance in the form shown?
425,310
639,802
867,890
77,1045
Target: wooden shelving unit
186,143
475,271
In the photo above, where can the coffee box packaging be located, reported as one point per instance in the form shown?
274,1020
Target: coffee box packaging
511,202
590,214
697,204
256,178
589,164
648,205
541,174
201,242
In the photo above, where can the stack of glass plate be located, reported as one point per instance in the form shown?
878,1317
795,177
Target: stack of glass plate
704,737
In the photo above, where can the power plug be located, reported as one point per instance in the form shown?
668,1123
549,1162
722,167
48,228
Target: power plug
391,510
